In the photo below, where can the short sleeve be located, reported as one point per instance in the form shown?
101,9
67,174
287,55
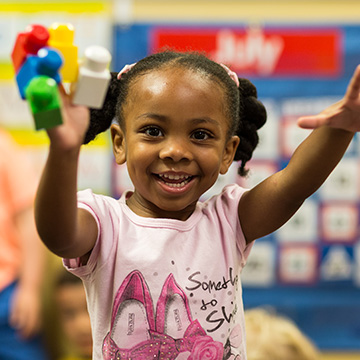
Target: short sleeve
101,208
86,200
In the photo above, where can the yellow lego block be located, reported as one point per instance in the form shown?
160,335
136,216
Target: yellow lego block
62,39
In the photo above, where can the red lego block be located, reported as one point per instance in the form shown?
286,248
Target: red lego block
27,43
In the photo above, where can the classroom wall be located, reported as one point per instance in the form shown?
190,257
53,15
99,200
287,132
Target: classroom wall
114,23
247,11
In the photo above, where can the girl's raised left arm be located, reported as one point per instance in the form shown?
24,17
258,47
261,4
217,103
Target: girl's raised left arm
270,204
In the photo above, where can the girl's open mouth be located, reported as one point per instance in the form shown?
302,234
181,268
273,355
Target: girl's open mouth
175,180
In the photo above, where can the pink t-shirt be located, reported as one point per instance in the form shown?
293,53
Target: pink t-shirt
165,288
17,192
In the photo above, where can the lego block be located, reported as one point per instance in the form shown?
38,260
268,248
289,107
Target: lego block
62,38
44,100
27,43
47,62
93,79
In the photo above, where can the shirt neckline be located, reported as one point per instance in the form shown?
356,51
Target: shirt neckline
159,222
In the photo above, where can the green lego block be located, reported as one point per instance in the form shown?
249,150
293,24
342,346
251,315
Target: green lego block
43,96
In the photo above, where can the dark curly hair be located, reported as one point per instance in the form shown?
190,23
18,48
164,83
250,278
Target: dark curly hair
245,112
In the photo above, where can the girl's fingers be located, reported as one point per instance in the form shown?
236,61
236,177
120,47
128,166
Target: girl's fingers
62,90
311,122
353,90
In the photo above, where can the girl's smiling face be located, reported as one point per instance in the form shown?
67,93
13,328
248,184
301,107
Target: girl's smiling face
175,141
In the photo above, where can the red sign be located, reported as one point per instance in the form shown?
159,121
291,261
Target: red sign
261,52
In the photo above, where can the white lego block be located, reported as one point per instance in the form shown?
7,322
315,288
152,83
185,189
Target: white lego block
94,77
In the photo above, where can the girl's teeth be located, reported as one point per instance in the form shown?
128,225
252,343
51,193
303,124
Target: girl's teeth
176,185
174,177
185,179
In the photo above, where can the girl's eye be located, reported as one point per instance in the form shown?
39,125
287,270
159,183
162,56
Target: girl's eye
153,132
201,135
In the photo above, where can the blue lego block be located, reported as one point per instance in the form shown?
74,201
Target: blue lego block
47,62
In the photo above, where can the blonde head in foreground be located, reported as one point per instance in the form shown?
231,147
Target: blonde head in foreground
273,337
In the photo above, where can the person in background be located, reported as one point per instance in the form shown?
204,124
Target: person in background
270,336
73,316
22,257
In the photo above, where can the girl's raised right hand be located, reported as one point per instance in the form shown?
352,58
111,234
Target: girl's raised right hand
345,114
69,135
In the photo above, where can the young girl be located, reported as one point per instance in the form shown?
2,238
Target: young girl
161,269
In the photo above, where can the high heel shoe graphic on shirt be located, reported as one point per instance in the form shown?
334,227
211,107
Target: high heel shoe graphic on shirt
135,335
181,337
132,319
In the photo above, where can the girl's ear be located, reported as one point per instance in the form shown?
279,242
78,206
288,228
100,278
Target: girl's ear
119,146
229,154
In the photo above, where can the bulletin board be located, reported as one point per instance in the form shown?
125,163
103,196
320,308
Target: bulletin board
309,269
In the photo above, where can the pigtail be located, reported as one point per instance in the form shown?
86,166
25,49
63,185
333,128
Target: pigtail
252,117
101,119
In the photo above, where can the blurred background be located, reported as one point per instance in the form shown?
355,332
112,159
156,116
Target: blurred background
300,54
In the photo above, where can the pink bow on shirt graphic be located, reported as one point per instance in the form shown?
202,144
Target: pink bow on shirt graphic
194,341
169,345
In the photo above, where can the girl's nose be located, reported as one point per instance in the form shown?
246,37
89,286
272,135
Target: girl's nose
176,150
